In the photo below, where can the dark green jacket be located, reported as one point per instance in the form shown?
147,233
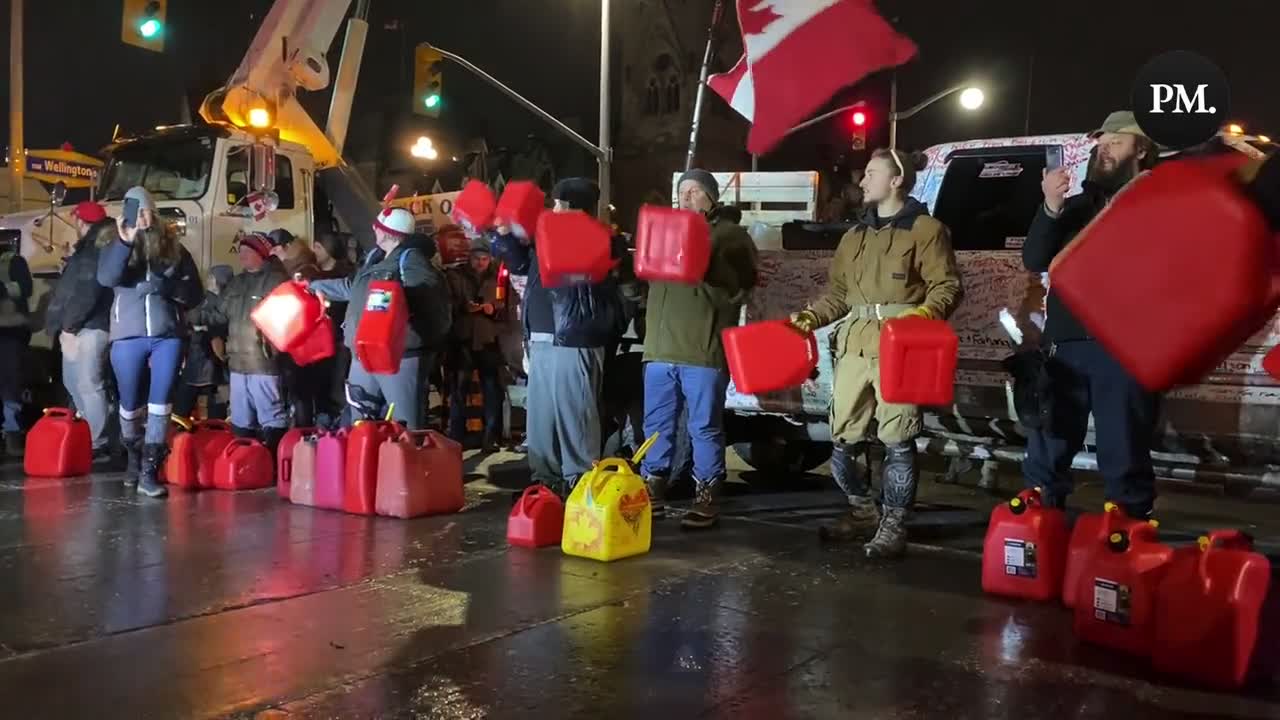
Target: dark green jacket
248,353
683,322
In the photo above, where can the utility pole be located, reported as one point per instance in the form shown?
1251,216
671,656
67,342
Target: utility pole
17,153
606,156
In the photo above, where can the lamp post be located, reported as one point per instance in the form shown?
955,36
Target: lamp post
971,98
17,153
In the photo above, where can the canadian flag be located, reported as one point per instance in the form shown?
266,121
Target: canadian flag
799,53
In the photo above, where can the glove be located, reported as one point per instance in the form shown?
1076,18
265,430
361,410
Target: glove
804,322
921,311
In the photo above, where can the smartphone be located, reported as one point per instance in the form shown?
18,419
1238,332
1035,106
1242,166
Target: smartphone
130,215
1053,158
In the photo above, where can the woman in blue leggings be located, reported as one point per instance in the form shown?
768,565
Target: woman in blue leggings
155,280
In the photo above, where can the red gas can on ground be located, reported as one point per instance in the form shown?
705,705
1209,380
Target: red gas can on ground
1117,590
284,459
521,205
573,247
319,344
1208,611
362,464
243,465
419,473
537,520
58,445
1090,531
331,470
1025,552
918,361
474,206
381,334
1271,363
1160,221
302,485
672,245
287,315
769,355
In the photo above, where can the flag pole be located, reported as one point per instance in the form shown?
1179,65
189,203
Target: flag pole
702,83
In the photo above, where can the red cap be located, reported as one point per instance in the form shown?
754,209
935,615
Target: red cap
90,212
257,243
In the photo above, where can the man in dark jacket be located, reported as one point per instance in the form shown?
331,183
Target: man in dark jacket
257,399
480,314
15,335
567,329
405,257
79,316
685,357
1083,376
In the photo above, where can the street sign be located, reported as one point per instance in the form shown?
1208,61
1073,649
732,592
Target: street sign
74,169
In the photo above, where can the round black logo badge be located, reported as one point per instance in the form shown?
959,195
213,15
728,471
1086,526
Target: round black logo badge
1180,99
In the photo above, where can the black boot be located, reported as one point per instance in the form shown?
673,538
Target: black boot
132,461
901,475
153,456
860,523
15,444
705,513
657,487
271,438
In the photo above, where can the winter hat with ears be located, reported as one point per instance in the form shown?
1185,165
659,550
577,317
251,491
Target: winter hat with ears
395,221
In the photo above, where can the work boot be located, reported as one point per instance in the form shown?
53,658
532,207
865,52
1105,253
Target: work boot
15,444
891,539
132,461
271,438
657,488
153,456
706,512
857,525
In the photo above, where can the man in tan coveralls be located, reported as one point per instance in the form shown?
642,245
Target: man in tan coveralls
896,261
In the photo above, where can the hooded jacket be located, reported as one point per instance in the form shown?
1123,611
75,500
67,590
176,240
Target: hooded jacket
426,293
247,352
79,302
1046,238
475,330
904,260
150,298
683,322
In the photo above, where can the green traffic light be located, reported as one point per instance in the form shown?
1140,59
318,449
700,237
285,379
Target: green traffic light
149,28
432,101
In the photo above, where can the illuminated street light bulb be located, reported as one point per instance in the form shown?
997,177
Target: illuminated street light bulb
972,98
1235,129
1264,138
259,117
423,149
432,154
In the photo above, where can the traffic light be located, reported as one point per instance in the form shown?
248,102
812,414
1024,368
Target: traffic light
858,124
428,86
143,24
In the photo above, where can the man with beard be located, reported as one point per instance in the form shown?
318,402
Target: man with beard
1083,376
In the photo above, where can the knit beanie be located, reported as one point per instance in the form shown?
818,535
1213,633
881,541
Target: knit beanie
703,178
578,193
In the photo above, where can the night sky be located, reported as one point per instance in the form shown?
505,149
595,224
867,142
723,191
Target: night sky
1082,56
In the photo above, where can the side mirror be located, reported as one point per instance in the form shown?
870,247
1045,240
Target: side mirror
262,168
59,194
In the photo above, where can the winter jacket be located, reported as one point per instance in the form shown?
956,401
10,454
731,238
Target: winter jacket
15,295
201,366
476,330
150,299
1046,238
247,352
581,315
683,322
903,261
426,292
79,302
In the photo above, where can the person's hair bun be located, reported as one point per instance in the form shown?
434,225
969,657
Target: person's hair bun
919,160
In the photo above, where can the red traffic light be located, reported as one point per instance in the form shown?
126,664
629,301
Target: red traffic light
859,118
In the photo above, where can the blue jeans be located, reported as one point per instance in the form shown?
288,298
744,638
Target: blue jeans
12,351
701,391
256,402
487,363
131,359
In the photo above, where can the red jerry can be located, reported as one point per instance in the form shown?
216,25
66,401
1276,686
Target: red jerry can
537,520
243,465
331,467
58,445
1208,611
1118,588
474,206
1271,363
519,208
672,245
319,344
1198,301
180,468
287,315
211,438
284,458
361,467
573,248
380,336
1025,552
302,484
419,473
1090,531
918,361
769,355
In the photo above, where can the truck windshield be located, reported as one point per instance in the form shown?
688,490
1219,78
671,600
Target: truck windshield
170,169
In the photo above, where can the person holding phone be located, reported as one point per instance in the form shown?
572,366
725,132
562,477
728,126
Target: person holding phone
155,281
479,320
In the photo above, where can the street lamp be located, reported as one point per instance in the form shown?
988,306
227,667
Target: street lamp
424,150
971,98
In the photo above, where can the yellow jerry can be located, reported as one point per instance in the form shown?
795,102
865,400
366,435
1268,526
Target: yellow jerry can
608,515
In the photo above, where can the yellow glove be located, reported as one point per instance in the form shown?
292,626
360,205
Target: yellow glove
805,322
920,311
